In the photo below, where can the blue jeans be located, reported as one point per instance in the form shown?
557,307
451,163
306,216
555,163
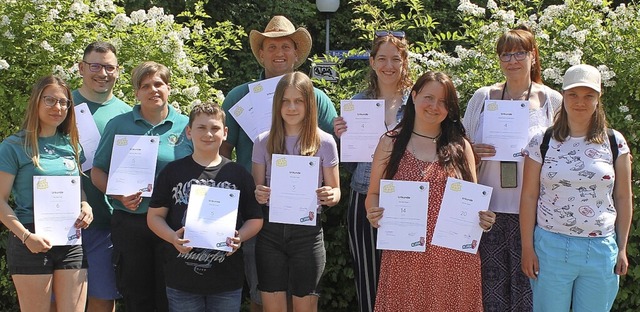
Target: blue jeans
574,271
182,301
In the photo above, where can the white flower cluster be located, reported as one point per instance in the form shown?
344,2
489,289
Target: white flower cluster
4,64
623,108
99,6
9,35
551,13
61,72
67,38
78,8
121,22
508,17
191,92
572,32
553,74
138,17
53,15
492,5
5,20
607,76
468,8
46,46
573,57
27,18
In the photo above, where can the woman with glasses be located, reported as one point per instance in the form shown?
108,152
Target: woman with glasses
47,145
137,250
389,80
504,287
576,205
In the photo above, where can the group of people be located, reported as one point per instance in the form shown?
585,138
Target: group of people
553,240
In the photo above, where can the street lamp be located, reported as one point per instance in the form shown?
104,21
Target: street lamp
327,7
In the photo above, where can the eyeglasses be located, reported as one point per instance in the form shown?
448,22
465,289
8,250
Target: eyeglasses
520,56
96,67
50,101
396,33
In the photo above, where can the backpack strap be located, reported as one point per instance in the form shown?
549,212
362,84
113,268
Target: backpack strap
544,146
613,145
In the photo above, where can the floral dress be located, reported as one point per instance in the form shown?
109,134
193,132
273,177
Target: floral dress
439,279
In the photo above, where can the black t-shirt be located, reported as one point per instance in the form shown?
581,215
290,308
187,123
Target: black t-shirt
202,271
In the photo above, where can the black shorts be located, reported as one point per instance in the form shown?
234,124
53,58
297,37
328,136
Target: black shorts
290,258
21,260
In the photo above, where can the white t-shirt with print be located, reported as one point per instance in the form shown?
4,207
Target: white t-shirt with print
576,186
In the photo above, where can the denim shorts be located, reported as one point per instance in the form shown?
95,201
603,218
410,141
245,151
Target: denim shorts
290,257
574,271
101,274
182,301
21,260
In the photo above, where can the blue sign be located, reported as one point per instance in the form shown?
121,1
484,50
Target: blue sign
342,53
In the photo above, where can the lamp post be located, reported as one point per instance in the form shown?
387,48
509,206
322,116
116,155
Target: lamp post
327,7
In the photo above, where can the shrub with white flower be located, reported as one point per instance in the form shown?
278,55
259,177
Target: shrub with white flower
42,37
590,32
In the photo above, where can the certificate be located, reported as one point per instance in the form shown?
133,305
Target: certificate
403,225
294,181
253,119
56,207
89,134
458,222
133,165
261,92
365,122
506,127
211,217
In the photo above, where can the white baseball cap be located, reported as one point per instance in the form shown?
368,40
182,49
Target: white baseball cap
582,75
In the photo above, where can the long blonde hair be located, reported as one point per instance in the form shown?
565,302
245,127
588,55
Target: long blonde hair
309,139
31,124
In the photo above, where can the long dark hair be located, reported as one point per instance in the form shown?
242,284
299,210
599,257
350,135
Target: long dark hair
451,143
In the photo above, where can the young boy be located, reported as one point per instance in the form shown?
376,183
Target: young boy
196,278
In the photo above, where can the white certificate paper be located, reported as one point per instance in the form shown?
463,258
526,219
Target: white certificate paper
403,225
261,92
458,222
133,165
365,122
253,119
89,134
56,207
506,126
294,181
211,217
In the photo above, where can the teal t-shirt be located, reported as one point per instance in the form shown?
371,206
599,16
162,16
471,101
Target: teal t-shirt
241,141
102,113
56,159
173,142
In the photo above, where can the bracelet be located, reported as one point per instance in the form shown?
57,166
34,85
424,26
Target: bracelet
489,229
25,236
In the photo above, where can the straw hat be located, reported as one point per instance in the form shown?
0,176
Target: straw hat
280,26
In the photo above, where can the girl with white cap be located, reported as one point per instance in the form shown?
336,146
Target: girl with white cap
575,208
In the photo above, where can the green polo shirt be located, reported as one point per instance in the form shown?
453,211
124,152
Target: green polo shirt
241,141
173,142
102,113
56,159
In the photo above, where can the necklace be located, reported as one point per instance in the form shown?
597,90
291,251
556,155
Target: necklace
528,92
434,139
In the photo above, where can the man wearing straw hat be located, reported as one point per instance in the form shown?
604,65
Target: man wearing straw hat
280,49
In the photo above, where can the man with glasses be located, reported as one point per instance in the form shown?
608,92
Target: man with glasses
99,70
